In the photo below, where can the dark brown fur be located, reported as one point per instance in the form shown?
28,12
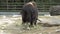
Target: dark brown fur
29,13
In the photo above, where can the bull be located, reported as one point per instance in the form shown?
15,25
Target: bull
29,13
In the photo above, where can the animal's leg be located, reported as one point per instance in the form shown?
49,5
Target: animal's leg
23,21
35,22
31,23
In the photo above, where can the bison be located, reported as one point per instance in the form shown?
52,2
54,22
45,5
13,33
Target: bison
29,13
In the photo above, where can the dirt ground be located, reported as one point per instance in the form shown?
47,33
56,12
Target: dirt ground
12,25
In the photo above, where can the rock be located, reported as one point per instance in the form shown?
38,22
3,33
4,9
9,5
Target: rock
52,21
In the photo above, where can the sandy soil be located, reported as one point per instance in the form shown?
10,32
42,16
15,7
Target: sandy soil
12,25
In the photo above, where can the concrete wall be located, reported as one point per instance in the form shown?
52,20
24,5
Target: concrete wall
18,13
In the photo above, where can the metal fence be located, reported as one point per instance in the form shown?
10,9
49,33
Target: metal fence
16,5
10,5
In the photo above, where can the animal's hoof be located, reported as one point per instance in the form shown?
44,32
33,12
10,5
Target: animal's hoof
31,26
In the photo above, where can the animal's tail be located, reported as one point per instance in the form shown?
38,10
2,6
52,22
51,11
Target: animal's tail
39,20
